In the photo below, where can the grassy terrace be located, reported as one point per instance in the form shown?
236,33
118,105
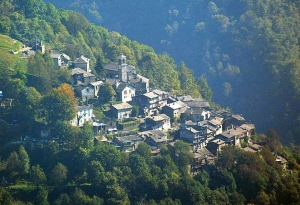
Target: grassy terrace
8,59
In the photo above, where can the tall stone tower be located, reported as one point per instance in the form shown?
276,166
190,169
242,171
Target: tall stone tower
122,71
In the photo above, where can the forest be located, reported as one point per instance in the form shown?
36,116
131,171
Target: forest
248,50
76,169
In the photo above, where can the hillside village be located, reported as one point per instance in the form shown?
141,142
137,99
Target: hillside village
160,118
88,116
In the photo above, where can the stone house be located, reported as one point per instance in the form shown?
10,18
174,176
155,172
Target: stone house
61,59
81,77
121,111
85,93
174,110
140,83
128,142
199,114
195,137
159,122
215,146
155,138
233,136
83,63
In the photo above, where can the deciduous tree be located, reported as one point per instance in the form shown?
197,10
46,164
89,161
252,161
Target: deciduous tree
58,174
60,104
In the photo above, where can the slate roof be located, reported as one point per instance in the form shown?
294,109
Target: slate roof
55,55
174,105
248,126
203,153
129,138
159,92
216,121
97,83
232,132
150,95
80,71
122,106
197,111
160,117
192,130
185,98
111,66
81,59
190,123
115,67
199,104
238,117
156,135
80,108
122,86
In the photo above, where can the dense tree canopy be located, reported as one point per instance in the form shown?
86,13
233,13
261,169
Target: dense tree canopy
60,104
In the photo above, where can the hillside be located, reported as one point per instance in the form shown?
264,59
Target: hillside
57,146
10,53
248,50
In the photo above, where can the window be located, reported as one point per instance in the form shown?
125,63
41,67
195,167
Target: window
125,92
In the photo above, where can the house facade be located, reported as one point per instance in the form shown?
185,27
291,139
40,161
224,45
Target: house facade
233,136
60,59
96,87
174,110
195,137
159,122
128,143
121,111
200,114
125,92
84,92
84,114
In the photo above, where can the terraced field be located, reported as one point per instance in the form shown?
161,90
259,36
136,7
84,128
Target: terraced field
10,57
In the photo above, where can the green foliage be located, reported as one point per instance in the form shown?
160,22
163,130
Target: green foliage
108,156
37,175
24,161
86,135
60,104
182,155
107,92
188,82
58,174
135,110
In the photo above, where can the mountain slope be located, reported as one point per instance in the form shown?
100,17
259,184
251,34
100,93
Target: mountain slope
248,50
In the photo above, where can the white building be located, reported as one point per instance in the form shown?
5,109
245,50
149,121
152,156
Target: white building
84,114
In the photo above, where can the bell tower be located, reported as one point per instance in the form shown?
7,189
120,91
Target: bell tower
122,71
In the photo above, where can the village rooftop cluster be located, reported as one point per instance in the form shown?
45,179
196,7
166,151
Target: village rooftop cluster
163,117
